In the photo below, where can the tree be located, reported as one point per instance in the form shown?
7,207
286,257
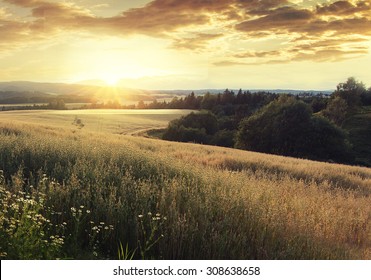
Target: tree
208,101
262,131
351,92
366,97
191,101
57,104
287,127
193,127
141,105
327,141
336,110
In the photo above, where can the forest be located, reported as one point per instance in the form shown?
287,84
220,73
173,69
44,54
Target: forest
315,127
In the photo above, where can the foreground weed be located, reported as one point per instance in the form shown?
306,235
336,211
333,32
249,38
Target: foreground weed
125,253
150,233
26,230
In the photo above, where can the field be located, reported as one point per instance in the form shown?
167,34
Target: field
103,121
96,192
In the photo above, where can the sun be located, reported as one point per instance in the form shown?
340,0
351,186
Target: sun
110,79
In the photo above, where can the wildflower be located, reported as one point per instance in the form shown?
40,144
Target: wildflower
88,211
140,216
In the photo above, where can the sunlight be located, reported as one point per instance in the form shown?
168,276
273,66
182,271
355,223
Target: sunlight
110,79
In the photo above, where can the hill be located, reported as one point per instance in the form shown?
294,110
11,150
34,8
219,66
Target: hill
29,92
90,191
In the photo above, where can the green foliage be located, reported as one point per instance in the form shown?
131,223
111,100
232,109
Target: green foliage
328,142
358,127
223,138
351,92
274,129
336,110
125,253
366,97
150,234
192,128
205,121
286,127
27,231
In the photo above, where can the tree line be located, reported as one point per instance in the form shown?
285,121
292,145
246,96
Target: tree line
301,126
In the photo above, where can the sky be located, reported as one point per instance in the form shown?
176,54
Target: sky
187,44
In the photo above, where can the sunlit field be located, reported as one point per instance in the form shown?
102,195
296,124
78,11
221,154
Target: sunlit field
92,192
104,120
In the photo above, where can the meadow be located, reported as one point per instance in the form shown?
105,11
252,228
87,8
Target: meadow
97,120
97,192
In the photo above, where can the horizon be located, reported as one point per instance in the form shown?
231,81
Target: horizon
169,45
103,85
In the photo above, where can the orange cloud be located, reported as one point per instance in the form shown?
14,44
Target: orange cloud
164,18
199,41
343,8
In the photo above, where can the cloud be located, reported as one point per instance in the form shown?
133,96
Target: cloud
251,54
205,20
343,8
315,43
225,63
321,19
4,14
333,55
197,42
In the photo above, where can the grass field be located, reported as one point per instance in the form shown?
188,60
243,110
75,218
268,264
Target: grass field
83,193
104,120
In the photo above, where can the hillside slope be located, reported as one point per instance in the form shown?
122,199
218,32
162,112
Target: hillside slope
179,200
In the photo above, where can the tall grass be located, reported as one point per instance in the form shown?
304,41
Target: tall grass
162,200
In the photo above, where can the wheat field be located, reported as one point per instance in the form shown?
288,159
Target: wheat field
98,192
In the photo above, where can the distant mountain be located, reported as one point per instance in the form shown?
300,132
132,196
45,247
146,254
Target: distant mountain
26,92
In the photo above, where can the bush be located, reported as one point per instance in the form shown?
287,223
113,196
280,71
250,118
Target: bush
276,128
192,128
223,138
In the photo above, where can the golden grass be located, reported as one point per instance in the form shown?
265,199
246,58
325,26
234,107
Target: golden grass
103,120
219,203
